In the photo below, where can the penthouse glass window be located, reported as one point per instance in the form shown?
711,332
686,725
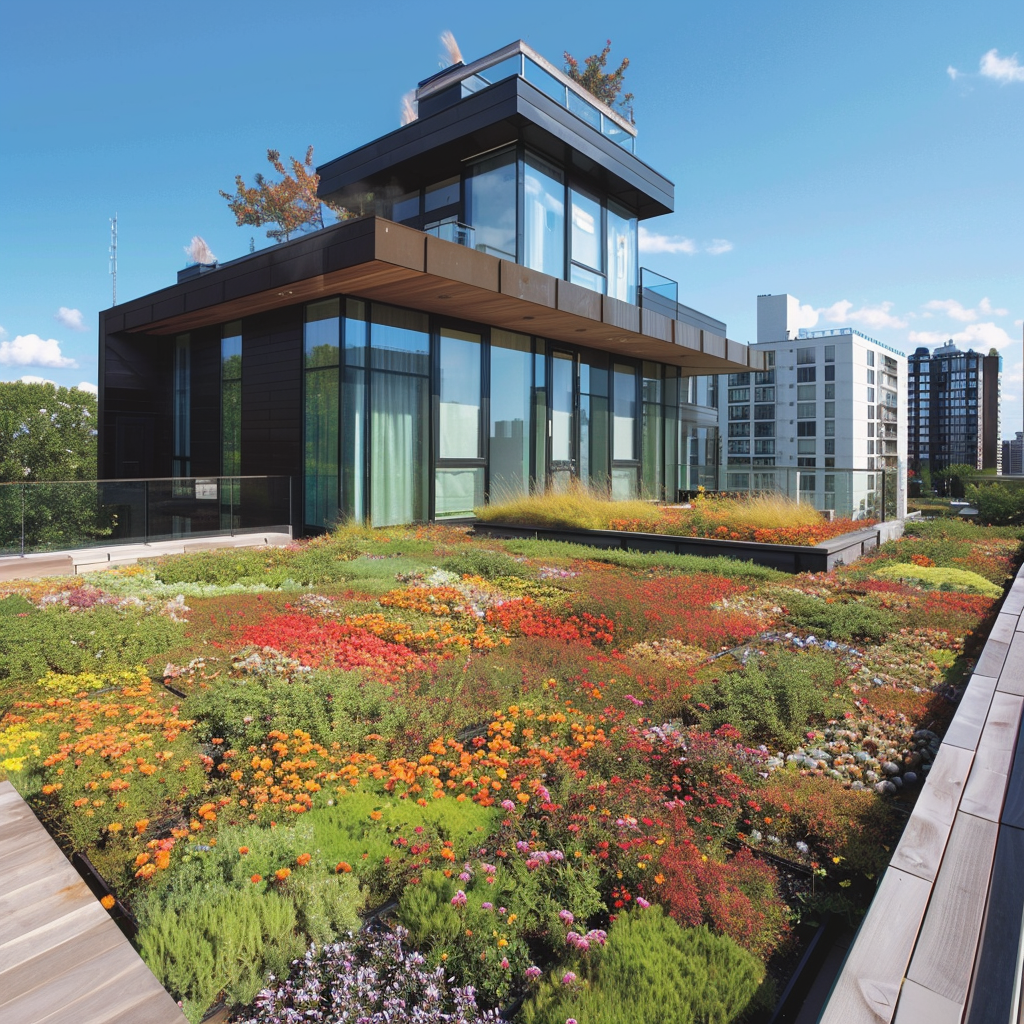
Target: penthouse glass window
321,356
491,204
622,253
587,241
543,217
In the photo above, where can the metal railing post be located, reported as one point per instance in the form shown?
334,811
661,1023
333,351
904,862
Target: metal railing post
231,512
145,518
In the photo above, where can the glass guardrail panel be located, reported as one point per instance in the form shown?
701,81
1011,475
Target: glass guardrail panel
507,68
547,83
584,110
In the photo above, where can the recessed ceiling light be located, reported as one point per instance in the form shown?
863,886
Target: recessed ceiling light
528,318
281,295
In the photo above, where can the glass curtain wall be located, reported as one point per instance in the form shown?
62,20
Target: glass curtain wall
181,460
563,419
673,396
230,421
511,415
624,431
399,405
321,351
459,470
491,203
594,432
353,426
543,217
652,445
540,414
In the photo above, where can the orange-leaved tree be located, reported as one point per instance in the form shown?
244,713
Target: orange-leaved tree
605,85
291,203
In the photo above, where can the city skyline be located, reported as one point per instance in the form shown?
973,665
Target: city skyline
884,197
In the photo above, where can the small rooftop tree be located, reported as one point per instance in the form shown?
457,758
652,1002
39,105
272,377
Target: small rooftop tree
605,85
291,203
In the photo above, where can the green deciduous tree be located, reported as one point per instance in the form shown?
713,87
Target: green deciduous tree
605,85
46,432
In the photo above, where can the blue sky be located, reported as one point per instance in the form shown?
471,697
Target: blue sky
866,158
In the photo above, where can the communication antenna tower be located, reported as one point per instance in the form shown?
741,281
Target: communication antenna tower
113,255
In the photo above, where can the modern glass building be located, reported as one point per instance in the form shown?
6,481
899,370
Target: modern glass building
954,409
483,329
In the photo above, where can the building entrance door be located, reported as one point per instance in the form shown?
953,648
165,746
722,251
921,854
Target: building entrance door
564,403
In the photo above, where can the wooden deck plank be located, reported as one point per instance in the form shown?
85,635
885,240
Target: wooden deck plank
986,785
1004,627
33,939
128,997
39,903
924,839
992,986
62,958
78,948
944,957
965,729
869,984
918,1004
1011,678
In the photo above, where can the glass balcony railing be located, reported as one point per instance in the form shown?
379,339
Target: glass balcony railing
658,292
847,493
519,60
44,516
451,229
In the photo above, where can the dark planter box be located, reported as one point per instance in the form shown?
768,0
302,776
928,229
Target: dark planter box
791,558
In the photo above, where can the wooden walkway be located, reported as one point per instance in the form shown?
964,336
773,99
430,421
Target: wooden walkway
62,959
942,940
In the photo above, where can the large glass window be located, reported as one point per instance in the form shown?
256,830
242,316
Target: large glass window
509,448
543,217
624,414
230,420
459,488
181,461
353,426
653,429
594,420
322,350
399,404
622,253
587,242
491,204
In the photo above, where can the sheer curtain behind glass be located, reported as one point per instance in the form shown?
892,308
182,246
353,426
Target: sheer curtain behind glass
491,204
511,398
543,218
399,409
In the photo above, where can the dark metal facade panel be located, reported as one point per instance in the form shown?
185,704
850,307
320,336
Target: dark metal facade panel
434,147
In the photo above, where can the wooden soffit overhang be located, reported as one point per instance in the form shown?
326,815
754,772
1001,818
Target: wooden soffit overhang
376,259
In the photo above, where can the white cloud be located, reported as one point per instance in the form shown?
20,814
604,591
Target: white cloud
654,243
31,350
952,72
651,242
842,312
1001,69
986,307
806,316
28,378
981,337
957,311
86,386
70,318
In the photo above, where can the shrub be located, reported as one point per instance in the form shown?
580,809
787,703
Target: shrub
481,562
838,619
70,642
998,504
778,697
224,943
941,578
652,971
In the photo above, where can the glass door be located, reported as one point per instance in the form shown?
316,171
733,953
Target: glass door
564,374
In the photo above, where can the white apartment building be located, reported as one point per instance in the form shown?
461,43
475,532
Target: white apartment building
825,420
